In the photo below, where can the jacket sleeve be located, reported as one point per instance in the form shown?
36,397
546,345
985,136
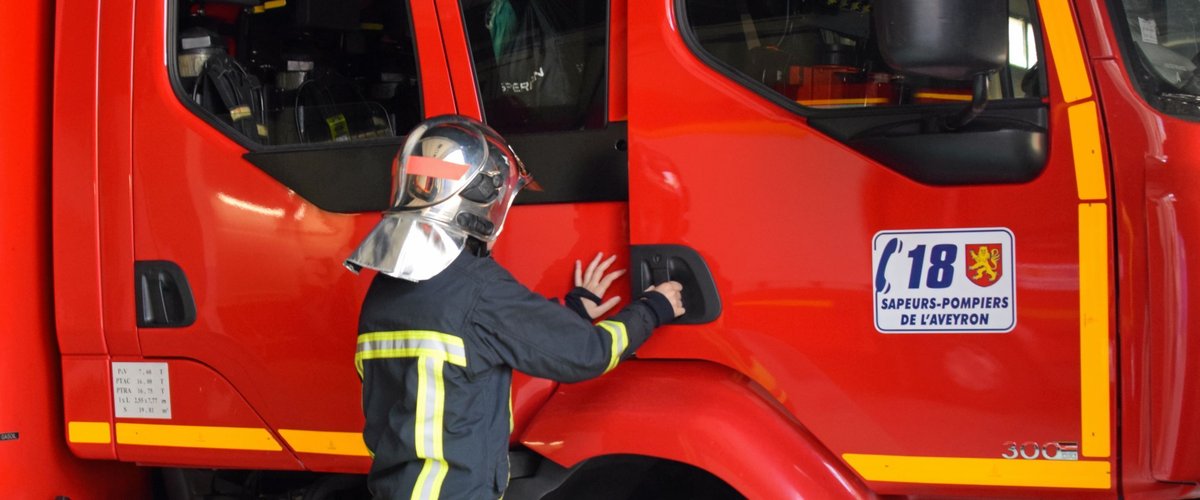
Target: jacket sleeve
574,301
525,331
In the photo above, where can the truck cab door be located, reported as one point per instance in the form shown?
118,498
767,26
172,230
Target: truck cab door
545,75
932,304
261,150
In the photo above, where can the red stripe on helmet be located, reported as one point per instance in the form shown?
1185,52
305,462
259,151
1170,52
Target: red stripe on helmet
433,167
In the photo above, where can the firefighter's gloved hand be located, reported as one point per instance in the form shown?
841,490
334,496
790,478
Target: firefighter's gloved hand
673,291
595,280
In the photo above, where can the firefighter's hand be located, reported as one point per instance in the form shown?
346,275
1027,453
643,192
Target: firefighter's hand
673,291
595,281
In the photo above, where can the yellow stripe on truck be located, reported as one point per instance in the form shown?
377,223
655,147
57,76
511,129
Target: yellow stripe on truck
982,471
1093,329
197,436
1085,145
326,442
1068,53
89,432
1091,183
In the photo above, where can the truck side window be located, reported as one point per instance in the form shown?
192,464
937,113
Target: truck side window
822,54
298,72
540,63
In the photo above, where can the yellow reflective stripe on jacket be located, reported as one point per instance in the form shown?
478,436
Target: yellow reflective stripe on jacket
431,407
620,340
432,351
410,344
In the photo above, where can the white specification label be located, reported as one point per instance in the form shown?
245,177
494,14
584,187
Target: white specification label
944,280
1149,30
141,390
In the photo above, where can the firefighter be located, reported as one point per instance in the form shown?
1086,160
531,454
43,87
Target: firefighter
443,325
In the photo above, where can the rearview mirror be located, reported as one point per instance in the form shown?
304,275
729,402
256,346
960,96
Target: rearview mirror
948,39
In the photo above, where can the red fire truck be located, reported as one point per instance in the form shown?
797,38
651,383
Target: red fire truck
930,247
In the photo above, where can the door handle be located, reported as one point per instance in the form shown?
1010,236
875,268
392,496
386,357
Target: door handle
655,264
164,299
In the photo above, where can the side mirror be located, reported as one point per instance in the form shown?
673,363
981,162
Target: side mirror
948,39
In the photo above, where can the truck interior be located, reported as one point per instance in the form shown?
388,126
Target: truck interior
824,60
302,72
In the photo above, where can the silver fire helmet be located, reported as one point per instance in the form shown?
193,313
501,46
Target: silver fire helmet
455,178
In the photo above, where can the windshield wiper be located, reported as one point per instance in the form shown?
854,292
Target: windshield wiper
1180,104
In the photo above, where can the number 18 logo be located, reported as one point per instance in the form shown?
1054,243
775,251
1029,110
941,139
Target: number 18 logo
938,272
919,285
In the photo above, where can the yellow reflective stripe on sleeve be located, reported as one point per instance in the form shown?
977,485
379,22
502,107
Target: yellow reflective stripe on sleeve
431,401
982,471
410,344
620,340
89,432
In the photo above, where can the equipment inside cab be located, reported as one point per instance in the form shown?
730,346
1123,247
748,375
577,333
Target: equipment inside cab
301,71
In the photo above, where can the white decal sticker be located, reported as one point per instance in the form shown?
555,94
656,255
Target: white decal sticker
944,280
141,390
1149,30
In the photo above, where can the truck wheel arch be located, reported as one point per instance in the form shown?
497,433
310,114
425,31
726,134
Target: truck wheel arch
697,413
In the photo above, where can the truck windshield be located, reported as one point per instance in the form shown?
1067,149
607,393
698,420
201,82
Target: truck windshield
1163,51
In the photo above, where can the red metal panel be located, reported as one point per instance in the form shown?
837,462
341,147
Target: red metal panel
618,48
1096,29
1170,234
36,462
784,217
87,400
1174,374
340,464
458,53
114,143
76,222
1130,156
537,256
276,312
1159,387
437,91
696,413
201,397
539,247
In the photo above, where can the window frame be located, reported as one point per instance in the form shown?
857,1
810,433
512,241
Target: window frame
604,76
600,170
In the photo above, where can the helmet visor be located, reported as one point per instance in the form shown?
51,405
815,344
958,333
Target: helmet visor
439,159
